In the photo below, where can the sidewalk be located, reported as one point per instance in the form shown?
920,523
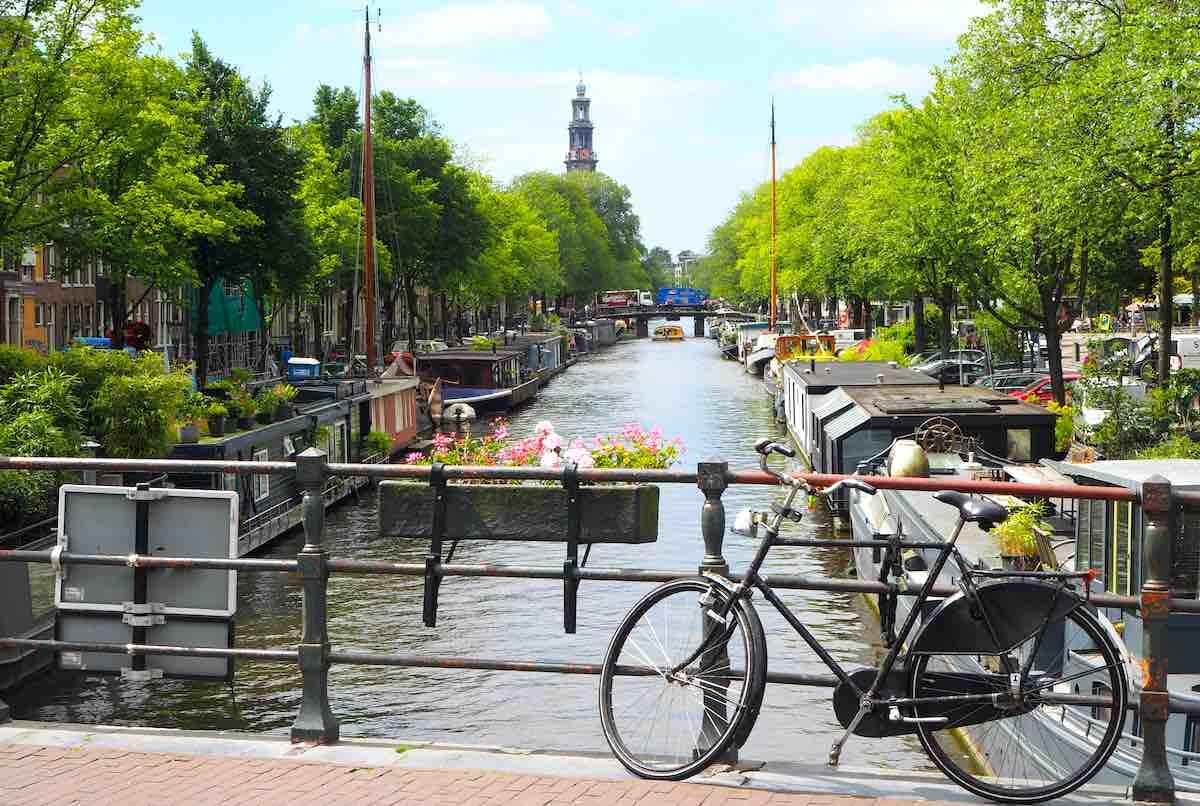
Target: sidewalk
43,764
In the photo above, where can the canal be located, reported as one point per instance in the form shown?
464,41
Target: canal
683,388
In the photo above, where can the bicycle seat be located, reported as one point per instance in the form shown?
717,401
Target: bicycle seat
974,510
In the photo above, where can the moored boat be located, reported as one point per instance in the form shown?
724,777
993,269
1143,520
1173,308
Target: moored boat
668,333
489,382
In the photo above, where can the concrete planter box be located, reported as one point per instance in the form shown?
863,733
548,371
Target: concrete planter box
609,514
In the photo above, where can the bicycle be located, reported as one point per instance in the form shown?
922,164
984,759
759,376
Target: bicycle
989,682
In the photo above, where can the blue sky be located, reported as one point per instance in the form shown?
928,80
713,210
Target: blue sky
680,89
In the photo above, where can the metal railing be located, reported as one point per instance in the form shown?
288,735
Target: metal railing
314,655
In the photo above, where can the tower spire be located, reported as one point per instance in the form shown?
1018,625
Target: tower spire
580,154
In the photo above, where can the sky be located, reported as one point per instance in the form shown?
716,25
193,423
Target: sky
681,89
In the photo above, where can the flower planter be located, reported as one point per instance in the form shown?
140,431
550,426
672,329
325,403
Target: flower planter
189,433
617,513
244,422
263,417
216,426
1019,562
283,412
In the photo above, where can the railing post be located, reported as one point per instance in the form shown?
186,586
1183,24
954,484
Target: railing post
5,715
315,721
711,478
1154,783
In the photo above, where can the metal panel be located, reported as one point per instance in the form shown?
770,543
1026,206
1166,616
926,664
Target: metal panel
106,628
182,523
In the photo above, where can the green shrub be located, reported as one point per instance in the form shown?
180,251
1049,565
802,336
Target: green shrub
377,442
26,496
136,412
50,391
15,360
1175,447
1016,534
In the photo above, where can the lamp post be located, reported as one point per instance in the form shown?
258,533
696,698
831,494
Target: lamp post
89,447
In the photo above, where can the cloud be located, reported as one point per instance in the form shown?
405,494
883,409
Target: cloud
621,29
924,20
455,25
868,74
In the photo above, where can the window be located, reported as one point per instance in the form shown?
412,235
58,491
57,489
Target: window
262,482
1020,444
48,262
39,315
1099,712
1191,736
1120,548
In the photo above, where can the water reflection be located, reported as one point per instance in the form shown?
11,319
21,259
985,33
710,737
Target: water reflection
685,389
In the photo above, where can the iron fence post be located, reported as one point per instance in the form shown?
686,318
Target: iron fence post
711,478
1154,783
5,715
315,721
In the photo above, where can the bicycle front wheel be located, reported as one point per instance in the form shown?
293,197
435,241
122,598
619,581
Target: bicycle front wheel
1049,741
677,683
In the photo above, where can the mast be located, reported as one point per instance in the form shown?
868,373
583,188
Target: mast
368,199
774,290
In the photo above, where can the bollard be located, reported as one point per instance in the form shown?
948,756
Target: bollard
1076,352
1154,783
712,481
315,721
5,715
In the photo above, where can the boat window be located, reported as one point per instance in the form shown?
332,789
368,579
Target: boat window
1120,548
1091,535
1020,444
1185,557
262,482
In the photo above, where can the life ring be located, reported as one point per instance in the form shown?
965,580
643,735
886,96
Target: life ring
458,412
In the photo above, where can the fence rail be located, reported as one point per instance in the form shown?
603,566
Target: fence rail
315,720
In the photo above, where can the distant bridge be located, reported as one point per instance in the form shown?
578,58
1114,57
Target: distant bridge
642,314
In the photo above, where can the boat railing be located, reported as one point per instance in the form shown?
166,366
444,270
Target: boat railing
318,478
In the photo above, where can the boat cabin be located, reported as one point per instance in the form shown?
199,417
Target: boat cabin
806,385
604,332
467,370
668,333
797,345
541,350
856,422
394,409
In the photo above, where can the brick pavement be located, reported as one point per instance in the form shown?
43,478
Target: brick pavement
35,775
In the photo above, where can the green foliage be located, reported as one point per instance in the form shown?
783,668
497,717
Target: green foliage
1064,424
1172,447
136,413
876,350
15,360
51,392
377,442
216,409
482,344
1016,536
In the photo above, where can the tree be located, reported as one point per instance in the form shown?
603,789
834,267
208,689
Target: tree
657,267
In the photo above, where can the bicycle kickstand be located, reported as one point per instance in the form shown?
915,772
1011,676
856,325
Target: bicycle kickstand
835,752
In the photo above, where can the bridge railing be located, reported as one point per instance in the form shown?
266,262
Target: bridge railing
314,655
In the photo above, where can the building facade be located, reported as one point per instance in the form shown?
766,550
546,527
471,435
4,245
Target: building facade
581,156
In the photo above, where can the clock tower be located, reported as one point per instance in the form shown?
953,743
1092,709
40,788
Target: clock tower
580,155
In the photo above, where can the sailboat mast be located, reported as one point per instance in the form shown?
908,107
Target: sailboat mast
368,198
774,290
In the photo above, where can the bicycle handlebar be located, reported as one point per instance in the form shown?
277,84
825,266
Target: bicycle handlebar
766,447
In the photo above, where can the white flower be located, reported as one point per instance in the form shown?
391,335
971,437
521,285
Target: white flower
580,456
551,460
552,442
543,428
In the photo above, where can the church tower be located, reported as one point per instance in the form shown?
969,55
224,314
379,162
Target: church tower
580,156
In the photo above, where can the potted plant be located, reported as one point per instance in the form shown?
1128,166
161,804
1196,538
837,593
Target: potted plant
216,413
1017,537
264,406
284,394
241,406
190,410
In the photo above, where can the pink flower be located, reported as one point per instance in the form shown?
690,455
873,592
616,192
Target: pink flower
579,456
551,459
552,442
543,428
500,432
414,457
442,441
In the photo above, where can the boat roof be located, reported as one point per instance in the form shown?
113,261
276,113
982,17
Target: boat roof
857,373
928,400
467,355
1130,473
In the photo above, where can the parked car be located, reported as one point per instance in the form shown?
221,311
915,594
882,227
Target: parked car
954,356
1041,390
423,346
953,372
846,338
1006,382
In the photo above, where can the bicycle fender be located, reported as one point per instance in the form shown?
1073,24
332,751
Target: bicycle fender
1016,609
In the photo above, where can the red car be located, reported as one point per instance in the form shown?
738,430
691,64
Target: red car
1041,391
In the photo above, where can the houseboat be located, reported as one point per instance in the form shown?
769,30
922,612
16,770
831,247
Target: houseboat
811,390
668,333
394,408
604,332
742,339
489,382
790,347
544,354
330,414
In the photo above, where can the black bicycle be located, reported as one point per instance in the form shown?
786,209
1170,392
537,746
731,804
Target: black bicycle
1015,689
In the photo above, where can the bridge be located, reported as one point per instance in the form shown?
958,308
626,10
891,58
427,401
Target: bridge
642,314
556,511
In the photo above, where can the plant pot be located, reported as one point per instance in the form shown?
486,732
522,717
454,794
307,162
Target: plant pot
216,426
263,418
283,412
189,433
244,422
1019,562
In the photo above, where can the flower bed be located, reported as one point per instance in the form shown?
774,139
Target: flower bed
632,447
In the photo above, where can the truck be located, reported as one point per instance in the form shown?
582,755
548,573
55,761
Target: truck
607,300
686,297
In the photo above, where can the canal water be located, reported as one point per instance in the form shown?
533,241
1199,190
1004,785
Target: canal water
683,388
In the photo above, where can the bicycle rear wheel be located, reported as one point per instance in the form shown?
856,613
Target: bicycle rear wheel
670,702
1064,728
